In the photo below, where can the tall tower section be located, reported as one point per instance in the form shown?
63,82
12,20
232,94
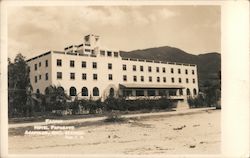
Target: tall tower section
92,42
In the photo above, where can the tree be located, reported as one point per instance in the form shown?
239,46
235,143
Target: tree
56,99
18,86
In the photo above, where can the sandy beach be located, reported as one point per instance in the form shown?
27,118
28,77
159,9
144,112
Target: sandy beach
198,133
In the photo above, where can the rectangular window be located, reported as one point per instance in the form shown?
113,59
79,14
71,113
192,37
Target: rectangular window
149,69
46,76
150,78
35,79
109,53
35,66
94,65
141,68
84,64
59,75
163,69
193,72
102,52
110,77
142,78
46,63
164,79
158,79
193,80
179,71
94,76
84,76
40,77
134,68
172,79
87,50
157,69
124,67
40,64
186,80
124,77
72,63
139,93
109,66
186,71
127,92
135,79
115,54
59,62
172,70
151,92
179,80
72,76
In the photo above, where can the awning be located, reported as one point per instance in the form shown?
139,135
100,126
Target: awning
150,86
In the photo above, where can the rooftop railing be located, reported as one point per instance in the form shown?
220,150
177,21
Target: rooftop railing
158,61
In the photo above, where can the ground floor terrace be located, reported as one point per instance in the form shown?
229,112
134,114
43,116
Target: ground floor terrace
135,91
131,92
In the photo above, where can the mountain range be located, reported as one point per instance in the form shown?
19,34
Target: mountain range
208,64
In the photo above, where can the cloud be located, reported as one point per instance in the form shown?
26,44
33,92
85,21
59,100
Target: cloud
54,27
166,13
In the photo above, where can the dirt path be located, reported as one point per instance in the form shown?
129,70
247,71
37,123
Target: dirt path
186,134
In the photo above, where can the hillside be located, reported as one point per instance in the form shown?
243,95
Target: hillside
208,64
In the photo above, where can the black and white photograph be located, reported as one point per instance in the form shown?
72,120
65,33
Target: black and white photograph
118,79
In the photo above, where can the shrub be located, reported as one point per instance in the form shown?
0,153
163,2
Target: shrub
114,117
133,105
197,102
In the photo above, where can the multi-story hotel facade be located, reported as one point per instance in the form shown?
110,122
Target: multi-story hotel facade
87,70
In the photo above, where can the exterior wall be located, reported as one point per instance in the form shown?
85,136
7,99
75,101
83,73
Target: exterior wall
41,84
102,71
130,73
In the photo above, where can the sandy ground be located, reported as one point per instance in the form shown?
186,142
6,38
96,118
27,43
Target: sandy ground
185,134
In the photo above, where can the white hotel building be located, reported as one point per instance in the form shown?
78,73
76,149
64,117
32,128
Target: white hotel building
87,70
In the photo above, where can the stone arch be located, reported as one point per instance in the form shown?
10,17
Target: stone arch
72,91
194,91
47,90
85,91
180,92
111,92
188,91
95,91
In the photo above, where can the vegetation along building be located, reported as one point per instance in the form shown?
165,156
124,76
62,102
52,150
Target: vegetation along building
88,70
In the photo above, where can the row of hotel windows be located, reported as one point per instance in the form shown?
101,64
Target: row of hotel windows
158,79
40,77
110,77
150,92
109,53
124,67
40,64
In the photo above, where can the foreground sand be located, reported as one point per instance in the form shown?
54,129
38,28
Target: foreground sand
186,134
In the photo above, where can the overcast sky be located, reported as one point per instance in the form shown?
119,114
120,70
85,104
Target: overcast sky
35,30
